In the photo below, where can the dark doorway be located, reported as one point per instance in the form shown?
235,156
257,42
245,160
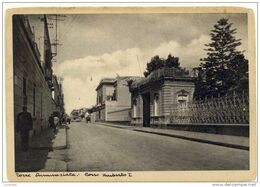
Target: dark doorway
146,110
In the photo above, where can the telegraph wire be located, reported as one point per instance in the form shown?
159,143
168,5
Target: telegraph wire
64,34
139,65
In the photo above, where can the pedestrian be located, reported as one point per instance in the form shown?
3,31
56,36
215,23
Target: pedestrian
24,124
65,120
88,118
68,120
51,121
56,123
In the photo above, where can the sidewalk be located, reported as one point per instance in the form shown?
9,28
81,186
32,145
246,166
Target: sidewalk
38,155
58,140
237,142
55,162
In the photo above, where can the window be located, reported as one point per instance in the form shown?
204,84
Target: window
24,86
100,99
41,105
155,104
15,80
182,100
24,91
53,95
114,97
135,108
109,98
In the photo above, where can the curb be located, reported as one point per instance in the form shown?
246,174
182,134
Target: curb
119,127
59,145
49,148
235,146
198,140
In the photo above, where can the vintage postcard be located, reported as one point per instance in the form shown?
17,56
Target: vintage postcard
131,94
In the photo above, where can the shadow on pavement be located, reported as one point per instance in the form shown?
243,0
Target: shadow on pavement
34,159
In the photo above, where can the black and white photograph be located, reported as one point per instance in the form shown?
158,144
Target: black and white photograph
131,92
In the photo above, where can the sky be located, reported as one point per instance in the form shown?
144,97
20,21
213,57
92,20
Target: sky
95,46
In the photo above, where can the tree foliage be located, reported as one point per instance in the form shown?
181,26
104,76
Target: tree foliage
157,63
225,68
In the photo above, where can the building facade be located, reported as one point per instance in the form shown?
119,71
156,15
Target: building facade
105,91
154,97
58,96
32,77
113,100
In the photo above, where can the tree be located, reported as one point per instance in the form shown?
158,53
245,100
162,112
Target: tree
157,63
172,61
238,69
224,65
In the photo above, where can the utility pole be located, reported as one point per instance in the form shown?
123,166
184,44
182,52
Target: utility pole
56,18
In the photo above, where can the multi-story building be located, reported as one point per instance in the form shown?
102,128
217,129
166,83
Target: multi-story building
57,96
32,78
105,91
113,100
155,97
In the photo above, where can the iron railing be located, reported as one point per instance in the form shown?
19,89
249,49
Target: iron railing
229,109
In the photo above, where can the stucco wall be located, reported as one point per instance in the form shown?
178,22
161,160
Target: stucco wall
26,66
167,97
108,90
117,112
170,92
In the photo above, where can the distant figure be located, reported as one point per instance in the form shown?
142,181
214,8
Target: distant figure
24,124
51,121
68,120
88,119
56,123
64,120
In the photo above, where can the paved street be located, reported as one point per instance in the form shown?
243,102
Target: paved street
95,147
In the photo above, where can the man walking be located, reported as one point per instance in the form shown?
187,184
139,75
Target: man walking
24,125
51,121
56,123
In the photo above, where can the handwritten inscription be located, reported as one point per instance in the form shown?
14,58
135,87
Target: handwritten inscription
92,174
65,174
57,175
23,174
117,175
108,174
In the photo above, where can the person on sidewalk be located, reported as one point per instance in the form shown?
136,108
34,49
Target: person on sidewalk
56,123
68,120
51,121
64,120
24,124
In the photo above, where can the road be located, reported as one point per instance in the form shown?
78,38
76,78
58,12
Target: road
94,147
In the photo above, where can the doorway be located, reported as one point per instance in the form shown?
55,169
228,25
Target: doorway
146,110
